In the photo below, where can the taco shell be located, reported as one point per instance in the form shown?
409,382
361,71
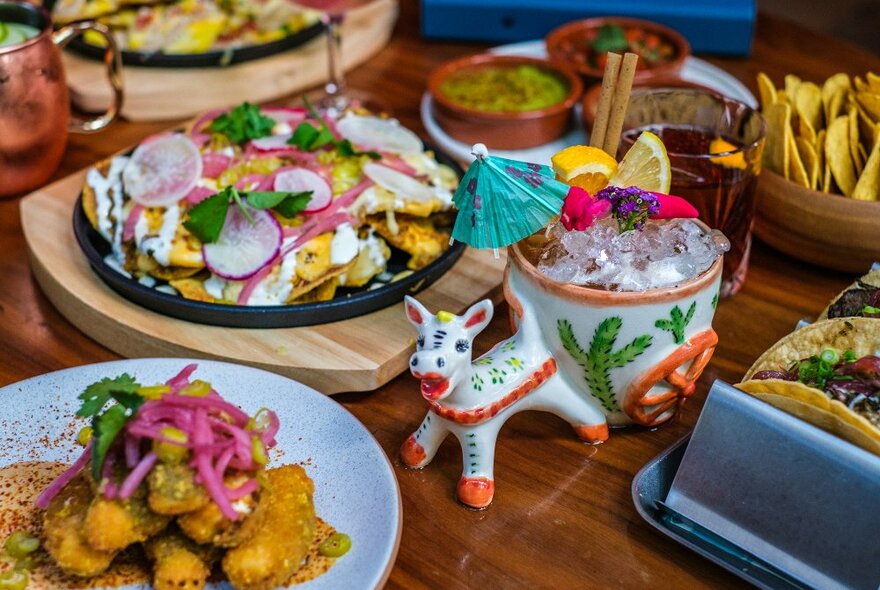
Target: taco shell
872,279
860,335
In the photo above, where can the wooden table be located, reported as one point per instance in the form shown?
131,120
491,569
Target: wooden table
563,516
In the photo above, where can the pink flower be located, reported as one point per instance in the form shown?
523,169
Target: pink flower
672,207
580,210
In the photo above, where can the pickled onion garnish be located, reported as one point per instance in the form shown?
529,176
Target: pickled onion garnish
181,380
298,180
162,171
245,245
289,115
137,475
133,216
199,194
65,478
214,164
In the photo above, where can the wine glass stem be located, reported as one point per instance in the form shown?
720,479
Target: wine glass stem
335,86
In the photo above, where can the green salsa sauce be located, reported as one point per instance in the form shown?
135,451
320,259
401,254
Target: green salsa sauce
15,33
505,89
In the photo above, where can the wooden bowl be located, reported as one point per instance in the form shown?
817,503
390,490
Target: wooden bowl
504,130
828,230
591,97
575,33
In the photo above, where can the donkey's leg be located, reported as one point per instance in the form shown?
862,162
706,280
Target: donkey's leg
421,446
584,414
476,488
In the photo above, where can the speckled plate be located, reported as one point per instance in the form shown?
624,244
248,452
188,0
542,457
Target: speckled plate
355,488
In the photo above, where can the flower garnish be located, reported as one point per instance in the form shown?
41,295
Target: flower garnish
580,210
630,206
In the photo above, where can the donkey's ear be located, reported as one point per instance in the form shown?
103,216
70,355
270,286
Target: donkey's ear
416,312
478,316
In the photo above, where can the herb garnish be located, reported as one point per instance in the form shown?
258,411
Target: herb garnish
206,219
243,123
107,424
309,138
611,37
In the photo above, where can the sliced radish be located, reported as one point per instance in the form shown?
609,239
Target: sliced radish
272,142
297,180
243,248
398,182
162,171
214,164
199,194
385,135
287,115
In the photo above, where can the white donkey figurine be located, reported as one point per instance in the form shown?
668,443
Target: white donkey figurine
473,399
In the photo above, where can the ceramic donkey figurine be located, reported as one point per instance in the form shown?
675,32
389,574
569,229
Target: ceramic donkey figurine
472,399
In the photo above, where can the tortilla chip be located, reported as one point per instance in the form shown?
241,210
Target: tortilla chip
415,236
837,155
766,90
860,335
301,288
860,85
832,86
813,406
366,265
868,185
776,151
313,259
170,273
791,87
807,154
192,289
325,291
797,169
805,130
808,104
873,82
871,103
90,205
820,157
836,105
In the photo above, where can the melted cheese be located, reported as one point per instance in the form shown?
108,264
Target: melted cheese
214,286
159,245
108,197
344,247
276,288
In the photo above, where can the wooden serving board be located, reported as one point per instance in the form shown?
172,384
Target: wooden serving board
359,354
153,94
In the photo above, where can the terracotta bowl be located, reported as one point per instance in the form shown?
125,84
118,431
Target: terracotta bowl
591,98
576,32
510,130
828,230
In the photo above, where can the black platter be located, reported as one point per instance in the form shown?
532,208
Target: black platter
209,59
347,303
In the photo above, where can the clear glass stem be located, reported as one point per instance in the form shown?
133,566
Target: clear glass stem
335,86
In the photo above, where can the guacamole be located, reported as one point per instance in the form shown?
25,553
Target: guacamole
505,89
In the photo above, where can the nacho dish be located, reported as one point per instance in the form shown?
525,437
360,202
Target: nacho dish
825,137
828,374
174,476
272,206
188,26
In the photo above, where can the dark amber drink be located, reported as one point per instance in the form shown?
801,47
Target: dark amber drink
721,185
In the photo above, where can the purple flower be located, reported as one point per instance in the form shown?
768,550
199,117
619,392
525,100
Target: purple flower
630,205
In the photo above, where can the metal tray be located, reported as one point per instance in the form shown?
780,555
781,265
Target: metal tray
767,496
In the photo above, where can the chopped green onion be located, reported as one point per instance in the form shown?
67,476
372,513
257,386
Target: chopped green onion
829,355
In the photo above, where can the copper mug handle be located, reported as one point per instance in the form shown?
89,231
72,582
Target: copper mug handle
112,65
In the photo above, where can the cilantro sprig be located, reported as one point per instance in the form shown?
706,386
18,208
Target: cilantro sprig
309,138
243,123
122,394
611,37
206,219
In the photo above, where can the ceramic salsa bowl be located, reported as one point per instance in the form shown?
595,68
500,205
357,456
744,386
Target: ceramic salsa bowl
506,130
832,231
571,44
611,344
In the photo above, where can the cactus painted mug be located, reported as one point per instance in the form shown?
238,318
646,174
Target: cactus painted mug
34,105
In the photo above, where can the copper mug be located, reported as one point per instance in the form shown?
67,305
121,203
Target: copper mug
34,103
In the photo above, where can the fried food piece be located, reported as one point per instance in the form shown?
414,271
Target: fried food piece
173,489
323,292
313,260
112,525
415,236
192,289
178,563
278,548
63,531
303,288
207,525
371,260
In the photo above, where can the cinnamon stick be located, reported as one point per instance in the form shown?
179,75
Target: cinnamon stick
603,110
620,102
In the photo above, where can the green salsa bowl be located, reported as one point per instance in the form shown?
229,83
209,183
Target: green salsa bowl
505,102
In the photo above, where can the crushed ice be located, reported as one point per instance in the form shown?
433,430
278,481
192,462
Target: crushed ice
662,254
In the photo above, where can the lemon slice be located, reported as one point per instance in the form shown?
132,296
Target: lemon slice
645,165
584,166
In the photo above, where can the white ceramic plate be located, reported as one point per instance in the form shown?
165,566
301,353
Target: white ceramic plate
355,488
694,70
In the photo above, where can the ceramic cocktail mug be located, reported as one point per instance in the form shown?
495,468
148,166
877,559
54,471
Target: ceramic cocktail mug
34,104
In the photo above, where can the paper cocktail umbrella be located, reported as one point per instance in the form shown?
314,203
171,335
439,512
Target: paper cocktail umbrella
502,201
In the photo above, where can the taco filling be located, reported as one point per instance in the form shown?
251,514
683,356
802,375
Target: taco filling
855,382
861,300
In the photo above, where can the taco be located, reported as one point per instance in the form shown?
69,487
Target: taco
827,374
862,299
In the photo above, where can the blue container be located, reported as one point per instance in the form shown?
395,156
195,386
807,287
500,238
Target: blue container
711,26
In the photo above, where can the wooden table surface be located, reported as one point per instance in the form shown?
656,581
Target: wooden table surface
563,516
